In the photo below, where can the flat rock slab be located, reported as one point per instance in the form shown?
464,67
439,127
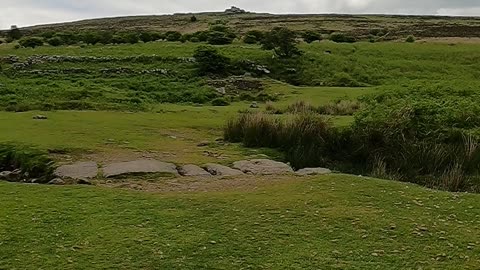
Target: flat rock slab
262,167
77,171
139,166
220,170
193,170
313,171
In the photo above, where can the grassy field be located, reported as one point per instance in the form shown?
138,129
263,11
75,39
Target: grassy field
331,222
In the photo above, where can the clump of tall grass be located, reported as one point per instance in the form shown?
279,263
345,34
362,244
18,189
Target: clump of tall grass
393,142
341,107
32,162
301,136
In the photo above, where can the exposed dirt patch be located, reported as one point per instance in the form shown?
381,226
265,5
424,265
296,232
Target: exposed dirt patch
191,184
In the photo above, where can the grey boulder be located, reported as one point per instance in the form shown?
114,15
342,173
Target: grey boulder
11,176
313,171
262,167
139,167
56,181
220,170
77,171
193,170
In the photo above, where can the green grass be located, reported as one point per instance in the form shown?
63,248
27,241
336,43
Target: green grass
384,65
330,222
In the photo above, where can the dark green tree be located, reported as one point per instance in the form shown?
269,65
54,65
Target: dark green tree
210,61
282,41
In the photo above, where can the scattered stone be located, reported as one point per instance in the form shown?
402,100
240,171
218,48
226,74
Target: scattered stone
40,117
139,166
77,171
220,170
11,176
203,144
193,170
5,175
254,105
313,171
221,90
84,182
57,181
262,167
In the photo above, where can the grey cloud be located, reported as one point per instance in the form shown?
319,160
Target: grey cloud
29,12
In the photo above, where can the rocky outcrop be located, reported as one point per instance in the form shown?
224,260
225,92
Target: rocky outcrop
262,167
313,171
139,167
193,170
11,176
77,171
220,170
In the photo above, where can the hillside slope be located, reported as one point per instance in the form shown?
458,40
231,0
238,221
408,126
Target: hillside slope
360,25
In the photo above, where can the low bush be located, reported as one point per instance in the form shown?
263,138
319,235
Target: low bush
31,42
210,61
173,36
220,102
342,38
410,39
311,36
55,41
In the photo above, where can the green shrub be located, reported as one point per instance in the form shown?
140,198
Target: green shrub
31,42
342,38
219,38
146,37
311,36
173,36
410,39
220,102
282,41
343,79
250,39
210,61
132,38
91,38
55,41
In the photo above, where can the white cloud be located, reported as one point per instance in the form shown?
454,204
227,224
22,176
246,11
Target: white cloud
472,11
30,12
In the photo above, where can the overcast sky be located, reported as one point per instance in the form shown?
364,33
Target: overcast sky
32,12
